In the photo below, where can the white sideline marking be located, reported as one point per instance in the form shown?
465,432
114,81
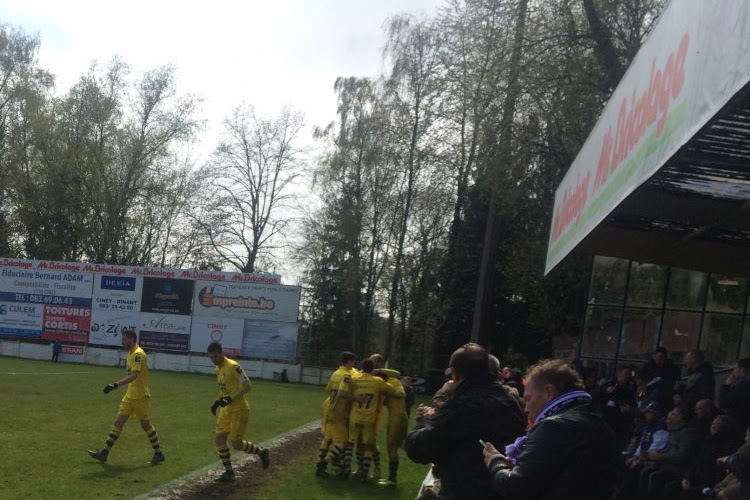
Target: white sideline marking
46,373
217,466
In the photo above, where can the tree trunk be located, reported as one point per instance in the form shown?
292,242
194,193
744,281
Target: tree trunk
603,47
482,321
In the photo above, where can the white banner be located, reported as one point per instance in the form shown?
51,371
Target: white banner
73,353
21,319
165,331
117,293
246,300
32,282
694,61
107,326
270,339
228,331
61,293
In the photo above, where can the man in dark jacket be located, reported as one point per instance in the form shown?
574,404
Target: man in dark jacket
698,382
661,374
479,408
620,411
734,395
568,453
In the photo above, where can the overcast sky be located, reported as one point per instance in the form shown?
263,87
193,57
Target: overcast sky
267,54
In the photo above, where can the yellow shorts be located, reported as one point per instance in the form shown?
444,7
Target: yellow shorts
136,408
232,422
361,433
396,433
337,432
324,410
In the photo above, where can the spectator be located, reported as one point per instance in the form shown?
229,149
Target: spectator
653,438
505,373
661,375
568,453
56,349
438,399
479,408
642,394
739,465
734,395
498,374
515,380
655,431
591,385
705,413
699,380
705,471
642,399
495,371
672,463
619,412
430,487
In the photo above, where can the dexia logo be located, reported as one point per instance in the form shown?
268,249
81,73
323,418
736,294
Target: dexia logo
639,113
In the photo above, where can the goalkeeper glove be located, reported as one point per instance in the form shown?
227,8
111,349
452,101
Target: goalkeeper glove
223,401
110,387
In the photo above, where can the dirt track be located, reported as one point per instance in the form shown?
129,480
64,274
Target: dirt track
249,472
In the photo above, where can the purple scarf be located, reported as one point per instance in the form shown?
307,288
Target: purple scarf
554,407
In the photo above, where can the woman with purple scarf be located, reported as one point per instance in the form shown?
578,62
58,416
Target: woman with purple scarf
569,452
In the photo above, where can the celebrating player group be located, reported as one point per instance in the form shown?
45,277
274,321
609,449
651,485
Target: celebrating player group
352,415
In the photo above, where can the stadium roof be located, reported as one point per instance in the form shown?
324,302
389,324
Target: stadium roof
666,179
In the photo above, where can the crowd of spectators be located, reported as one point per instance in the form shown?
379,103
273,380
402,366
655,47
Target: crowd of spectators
654,432
679,439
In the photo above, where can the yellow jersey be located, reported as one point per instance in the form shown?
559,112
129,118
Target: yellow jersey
370,388
396,406
382,400
231,378
138,362
338,408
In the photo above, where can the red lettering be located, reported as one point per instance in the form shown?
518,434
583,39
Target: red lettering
605,158
638,113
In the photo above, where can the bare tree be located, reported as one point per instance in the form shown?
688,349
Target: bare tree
250,174
410,98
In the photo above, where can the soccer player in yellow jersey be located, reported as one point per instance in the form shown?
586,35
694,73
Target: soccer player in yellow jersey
234,410
397,424
366,390
335,423
136,403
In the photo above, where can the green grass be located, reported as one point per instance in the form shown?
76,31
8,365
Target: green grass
296,481
52,413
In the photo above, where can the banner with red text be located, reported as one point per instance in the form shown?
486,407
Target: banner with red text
170,309
694,61
44,302
227,331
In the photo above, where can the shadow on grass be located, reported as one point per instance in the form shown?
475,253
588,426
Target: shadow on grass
100,471
335,486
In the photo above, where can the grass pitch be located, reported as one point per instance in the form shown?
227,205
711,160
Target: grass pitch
297,482
51,413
